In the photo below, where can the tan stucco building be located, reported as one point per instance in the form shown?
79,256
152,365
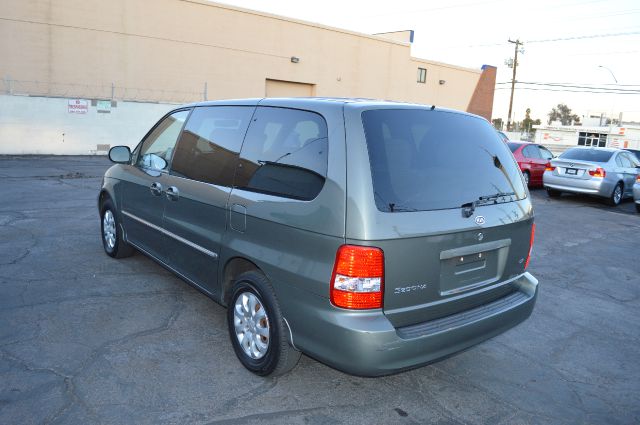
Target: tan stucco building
123,63
164,50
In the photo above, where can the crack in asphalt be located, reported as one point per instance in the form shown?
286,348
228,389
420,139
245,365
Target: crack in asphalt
280,414
96,297
68,379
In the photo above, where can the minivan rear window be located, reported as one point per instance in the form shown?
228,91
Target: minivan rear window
431,160
582,154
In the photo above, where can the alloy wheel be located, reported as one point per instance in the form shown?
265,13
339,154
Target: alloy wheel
109,229
251,325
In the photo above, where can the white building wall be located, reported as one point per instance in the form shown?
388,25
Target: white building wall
560,138
43,125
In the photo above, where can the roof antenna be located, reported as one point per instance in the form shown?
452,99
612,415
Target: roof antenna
433,107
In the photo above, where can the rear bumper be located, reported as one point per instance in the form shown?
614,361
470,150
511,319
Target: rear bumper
366,344
636,193
594,186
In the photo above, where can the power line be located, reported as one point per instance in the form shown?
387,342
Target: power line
569,91
550,40
584,37
566,82
591,87
614,13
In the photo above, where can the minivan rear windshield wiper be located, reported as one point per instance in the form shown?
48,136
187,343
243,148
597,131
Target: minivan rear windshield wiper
496,198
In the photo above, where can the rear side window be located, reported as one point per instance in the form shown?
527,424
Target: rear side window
585,154
513,146
625,161
210,144
431,160
284,154
546,154
531,152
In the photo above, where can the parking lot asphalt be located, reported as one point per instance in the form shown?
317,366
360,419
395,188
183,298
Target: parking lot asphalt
88,339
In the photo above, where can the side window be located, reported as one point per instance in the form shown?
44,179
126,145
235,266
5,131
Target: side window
531,152
544,152
284,154
210,144
156,150
619,161
626,161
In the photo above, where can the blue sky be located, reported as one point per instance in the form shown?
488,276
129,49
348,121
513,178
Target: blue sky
472,33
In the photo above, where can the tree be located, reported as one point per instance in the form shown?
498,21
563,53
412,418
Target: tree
497,123
527,122
613,122
563,114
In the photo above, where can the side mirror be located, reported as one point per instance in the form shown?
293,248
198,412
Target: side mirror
120,154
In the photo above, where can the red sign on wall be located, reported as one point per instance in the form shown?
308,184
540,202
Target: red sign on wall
78,106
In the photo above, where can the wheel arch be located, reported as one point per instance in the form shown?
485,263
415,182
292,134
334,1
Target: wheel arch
233,268
102,197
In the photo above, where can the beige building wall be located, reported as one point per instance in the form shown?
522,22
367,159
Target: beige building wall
166,50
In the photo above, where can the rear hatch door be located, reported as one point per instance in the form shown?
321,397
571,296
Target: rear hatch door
451,212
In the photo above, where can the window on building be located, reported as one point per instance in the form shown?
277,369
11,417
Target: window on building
422,75
210,144
592,139
284,154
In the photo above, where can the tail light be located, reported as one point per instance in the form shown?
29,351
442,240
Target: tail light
357,281
598,172
533,234
638,178
549,167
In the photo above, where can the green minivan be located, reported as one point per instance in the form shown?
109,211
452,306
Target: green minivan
372,236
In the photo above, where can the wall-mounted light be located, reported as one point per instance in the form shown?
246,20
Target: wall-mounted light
441,82
295,59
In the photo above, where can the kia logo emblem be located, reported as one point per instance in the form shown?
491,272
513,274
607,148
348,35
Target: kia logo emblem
479,220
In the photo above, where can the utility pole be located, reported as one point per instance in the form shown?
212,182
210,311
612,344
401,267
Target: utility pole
518,43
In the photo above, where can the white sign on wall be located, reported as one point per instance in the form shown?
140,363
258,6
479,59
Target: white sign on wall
78,106
103,106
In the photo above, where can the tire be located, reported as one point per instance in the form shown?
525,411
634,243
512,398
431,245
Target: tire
616,195
527,177
638,207
259,335
553,193
112,239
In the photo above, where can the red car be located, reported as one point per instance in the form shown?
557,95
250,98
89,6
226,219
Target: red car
532,160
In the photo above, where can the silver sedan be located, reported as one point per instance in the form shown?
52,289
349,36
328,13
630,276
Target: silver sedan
605,172
636,193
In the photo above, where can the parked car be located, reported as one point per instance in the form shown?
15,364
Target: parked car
636,193
349,230
605,172
532,159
